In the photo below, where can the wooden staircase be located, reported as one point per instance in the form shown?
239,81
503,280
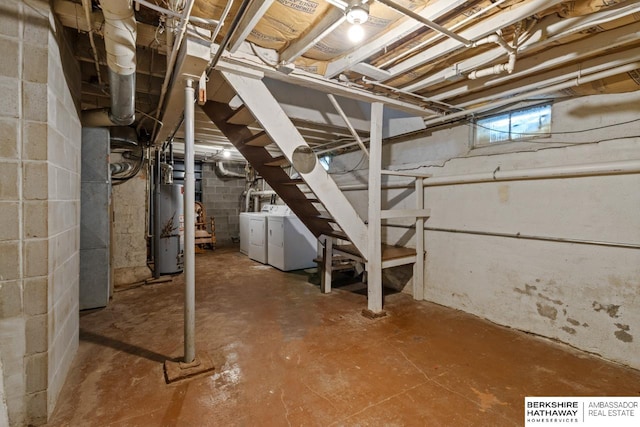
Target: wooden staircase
311,193
313,197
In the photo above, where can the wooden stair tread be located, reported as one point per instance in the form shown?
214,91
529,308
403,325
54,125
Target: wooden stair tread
295,181
278,162
241,116
219,90
259,140
337,234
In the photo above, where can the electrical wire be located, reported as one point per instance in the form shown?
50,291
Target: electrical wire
355,168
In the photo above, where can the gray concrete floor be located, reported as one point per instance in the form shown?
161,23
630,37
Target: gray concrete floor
287,355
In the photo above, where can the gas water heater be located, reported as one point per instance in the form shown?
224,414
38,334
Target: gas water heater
170,241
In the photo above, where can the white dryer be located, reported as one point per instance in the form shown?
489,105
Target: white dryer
291,245
253,232
258,238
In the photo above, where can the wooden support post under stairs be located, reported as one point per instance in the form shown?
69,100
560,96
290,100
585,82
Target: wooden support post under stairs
342,222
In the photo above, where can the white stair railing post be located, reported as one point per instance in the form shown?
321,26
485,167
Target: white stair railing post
418,267
327,270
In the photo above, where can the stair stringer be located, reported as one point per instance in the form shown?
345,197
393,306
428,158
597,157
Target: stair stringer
268,112
276,177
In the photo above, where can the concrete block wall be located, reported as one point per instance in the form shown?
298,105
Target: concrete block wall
39,210
222,198
129,260
578,293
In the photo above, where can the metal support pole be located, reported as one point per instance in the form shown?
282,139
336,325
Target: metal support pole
157,226
374,253
189,226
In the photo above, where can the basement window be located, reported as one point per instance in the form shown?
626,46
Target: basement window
518,125
325,161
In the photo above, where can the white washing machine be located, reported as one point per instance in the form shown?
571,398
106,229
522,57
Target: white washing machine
291,245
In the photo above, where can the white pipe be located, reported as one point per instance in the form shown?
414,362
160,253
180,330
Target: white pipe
425,21
348,123
225,173
524,96
225,12
497,39
120,45
189,226
601,63
404,92
496,69
439,36
570,171
255,193
499,68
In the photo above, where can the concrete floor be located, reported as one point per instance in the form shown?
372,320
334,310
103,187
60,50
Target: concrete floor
288,356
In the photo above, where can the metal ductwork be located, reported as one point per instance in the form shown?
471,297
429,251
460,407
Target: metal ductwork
120,44
222,172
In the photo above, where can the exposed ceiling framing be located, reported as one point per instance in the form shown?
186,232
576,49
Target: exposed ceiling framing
403,62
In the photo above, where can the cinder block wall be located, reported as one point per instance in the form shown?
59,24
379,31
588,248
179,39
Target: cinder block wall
129,230
222,198
39,210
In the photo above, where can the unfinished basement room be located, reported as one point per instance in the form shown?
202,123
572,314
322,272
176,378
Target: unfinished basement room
319,213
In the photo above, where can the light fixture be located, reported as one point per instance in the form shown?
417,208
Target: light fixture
357,14
356,33
226,153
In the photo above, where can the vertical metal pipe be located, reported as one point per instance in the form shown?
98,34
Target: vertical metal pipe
189,226
374,249
157,226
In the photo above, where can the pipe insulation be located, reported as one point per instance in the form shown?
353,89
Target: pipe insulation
120,44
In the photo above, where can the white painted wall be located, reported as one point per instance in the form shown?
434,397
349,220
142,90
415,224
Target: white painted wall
583,295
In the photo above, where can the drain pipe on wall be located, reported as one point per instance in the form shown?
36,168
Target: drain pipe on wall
499,68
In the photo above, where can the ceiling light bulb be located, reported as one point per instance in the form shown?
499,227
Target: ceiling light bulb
226,153
358,13
356,33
